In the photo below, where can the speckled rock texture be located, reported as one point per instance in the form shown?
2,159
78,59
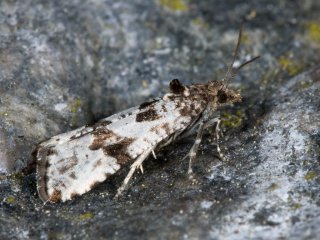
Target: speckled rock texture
64,64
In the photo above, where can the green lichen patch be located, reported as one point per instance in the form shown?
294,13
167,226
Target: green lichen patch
305,84
75,106
174,5
16,177
201,23
232,120
295,206
290,66
86,216
310,176
245,38
313,31
10,200
4,114
273,187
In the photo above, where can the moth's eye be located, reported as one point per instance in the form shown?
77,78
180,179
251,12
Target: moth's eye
222,96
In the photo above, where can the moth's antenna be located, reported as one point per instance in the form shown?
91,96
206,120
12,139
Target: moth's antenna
245,63
231,72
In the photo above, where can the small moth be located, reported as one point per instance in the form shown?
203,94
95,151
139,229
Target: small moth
72,163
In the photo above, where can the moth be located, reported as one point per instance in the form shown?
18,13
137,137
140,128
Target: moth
72,163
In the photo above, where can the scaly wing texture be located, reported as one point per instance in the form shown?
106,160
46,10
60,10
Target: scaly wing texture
72,163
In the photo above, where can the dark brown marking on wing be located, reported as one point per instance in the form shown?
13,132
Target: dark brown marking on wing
166,128
172,98
198,108
42,167
69,163
149,115
100,135
73,195
119,150
60,161
82,133
94,184
106,175
101,123
155,129
97,164
164,109
51,151
55,196
73,175
185,111
146,104
176,87
91,129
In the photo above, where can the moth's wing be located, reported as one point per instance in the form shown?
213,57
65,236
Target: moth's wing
68,166
72,163
151,124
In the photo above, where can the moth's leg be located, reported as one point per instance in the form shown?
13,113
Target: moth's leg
137,164
154,155
211,122
216,121
217,130
193,151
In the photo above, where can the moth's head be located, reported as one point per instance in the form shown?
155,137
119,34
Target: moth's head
220,94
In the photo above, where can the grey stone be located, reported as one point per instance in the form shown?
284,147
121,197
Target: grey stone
65,64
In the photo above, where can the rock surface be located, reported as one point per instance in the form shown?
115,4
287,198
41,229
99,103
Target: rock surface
65,64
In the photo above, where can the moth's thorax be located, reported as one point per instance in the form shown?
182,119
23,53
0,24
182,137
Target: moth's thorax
214,94
197,98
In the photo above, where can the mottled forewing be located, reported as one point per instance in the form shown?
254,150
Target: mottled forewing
72,163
